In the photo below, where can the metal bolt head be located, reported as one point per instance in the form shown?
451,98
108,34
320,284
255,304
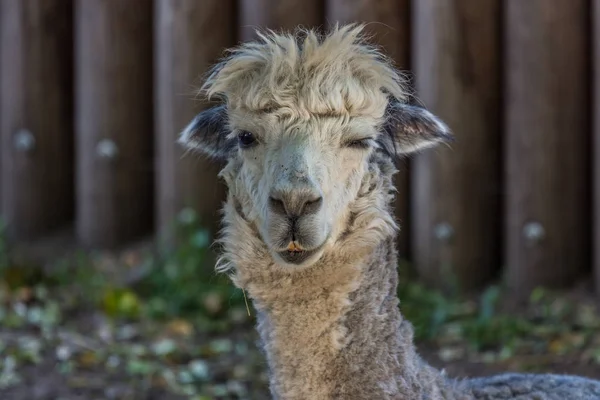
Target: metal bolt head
443,231
107,148
24,141
534,231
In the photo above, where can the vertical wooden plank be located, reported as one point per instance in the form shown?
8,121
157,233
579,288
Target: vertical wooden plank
278,14
547,227
36,115
389,23
596,137
2,218
190,36
456,201
114,120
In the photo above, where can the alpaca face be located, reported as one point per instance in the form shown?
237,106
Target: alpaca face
295,178
298,176
299,128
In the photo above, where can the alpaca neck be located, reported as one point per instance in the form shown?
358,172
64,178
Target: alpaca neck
335,331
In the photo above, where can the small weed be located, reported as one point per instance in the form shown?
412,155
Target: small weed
180,280
490,329
4,250
442,317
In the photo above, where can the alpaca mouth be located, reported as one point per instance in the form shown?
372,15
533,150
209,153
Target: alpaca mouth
296,255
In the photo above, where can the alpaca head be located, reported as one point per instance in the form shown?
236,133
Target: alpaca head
301,119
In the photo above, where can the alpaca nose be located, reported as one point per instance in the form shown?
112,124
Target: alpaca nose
296,203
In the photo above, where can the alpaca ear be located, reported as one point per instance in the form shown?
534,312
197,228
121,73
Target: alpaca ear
207,133
411,128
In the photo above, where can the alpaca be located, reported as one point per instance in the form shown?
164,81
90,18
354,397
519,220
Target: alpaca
309,128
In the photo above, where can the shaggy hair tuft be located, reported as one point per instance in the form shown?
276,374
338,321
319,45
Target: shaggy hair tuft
306,73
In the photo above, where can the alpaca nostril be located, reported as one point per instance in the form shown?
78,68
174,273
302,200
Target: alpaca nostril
277,205
313,205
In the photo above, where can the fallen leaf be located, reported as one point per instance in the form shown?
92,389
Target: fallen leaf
88,358
180,327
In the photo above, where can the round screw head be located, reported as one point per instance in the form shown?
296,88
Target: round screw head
534,231
107,148
443,231
24,141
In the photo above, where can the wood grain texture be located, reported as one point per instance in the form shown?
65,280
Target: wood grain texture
36,108
190,36
114,102
456,199
1,156
596,143
388,21
277,14
547,142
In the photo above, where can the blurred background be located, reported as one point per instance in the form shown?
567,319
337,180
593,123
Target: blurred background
107,289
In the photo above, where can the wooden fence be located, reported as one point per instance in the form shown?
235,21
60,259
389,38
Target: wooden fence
94,92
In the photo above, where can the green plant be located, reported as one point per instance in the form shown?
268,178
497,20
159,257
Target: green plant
434,313
489,329
4,251
428,310
180,280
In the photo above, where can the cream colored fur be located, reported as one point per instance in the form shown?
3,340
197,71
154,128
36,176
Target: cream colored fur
330,327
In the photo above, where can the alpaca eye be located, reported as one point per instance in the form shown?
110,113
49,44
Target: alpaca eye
364,143
246,139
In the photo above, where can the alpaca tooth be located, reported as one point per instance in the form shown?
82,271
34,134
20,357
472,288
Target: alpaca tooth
292,246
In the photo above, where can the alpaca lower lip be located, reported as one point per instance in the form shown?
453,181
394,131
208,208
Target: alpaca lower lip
296,257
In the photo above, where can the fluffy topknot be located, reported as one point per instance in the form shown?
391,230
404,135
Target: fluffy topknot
304,73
